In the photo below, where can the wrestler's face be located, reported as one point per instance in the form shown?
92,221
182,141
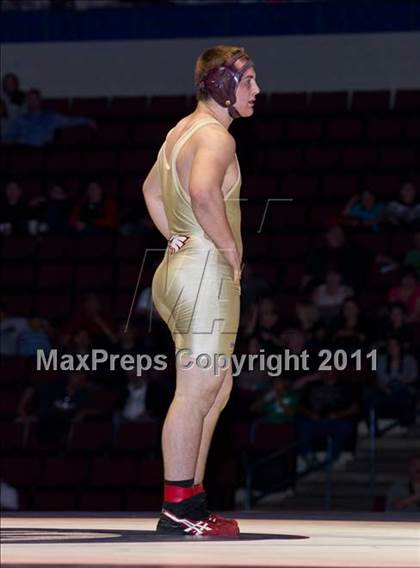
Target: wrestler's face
246,92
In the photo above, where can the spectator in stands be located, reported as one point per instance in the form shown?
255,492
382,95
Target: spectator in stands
308,321
34,338
14,214
263,326
137,404
95,213
295,341
10,331
396,325
329,296
14,97
406,209
412,258
91,317
351,261
350,331
404,495
328,408
60,403
4,119
37,127
394,393
408,294
364,211
253,287
279,404
49,214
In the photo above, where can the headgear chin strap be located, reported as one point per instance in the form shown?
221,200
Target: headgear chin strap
222,81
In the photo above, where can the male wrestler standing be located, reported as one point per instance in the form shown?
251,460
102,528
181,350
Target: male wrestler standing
192,194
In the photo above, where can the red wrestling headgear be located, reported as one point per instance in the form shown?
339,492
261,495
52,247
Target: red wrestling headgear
221,82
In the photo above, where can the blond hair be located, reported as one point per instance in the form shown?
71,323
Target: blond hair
211,58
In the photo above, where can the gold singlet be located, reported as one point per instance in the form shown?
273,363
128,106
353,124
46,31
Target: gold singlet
193,288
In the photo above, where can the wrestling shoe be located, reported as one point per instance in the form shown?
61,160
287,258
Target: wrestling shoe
171,524
213,517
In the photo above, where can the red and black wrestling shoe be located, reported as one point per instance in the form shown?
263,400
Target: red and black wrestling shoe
213,517
171,524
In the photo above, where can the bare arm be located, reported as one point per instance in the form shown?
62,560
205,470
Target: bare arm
215,151
153,197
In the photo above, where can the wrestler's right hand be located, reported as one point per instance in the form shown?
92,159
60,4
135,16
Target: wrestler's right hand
234,259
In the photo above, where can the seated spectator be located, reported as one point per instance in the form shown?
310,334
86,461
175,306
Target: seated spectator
296,342
10,331
14,215
327,408
49,215
404,495
91,318
95,213
56,404
263,326
350,330
37,127
396,325
412,258
329,296
279,404
308,321
408,294
406,209
364,211
34,338
4,119
137,404
253,287
14,97
352,261
394,393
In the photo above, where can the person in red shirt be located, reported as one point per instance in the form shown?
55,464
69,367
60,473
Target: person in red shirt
95,213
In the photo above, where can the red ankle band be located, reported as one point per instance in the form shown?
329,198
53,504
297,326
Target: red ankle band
177,493
198,488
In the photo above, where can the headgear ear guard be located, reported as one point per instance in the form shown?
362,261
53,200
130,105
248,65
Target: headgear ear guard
222,81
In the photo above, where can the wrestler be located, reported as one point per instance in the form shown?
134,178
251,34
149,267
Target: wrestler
192,195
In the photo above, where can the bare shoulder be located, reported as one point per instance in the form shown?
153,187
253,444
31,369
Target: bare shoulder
216,138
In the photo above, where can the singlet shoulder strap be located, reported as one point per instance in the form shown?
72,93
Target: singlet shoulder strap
188,133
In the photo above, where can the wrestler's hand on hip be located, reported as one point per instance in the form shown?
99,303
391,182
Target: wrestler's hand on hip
234,259
176,242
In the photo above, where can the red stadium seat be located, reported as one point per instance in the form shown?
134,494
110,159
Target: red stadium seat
128,107
299,186
150,472
74,136
370,101
138,436
407,100
12,437
26,161
105,500
113,134
94,277
18,304
137,161
64,471
14,248
304,130
398,157
17,277
287,103
13,370
55,276
94,247
98,162
259,186
21,471
90,436
272,436
269,131
280,158
55,247
57,105
355,157
94,107
328,102
52,305
62,161
344,129
384,129
168,106
116,472
322,157
339,186
51,500
412,128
